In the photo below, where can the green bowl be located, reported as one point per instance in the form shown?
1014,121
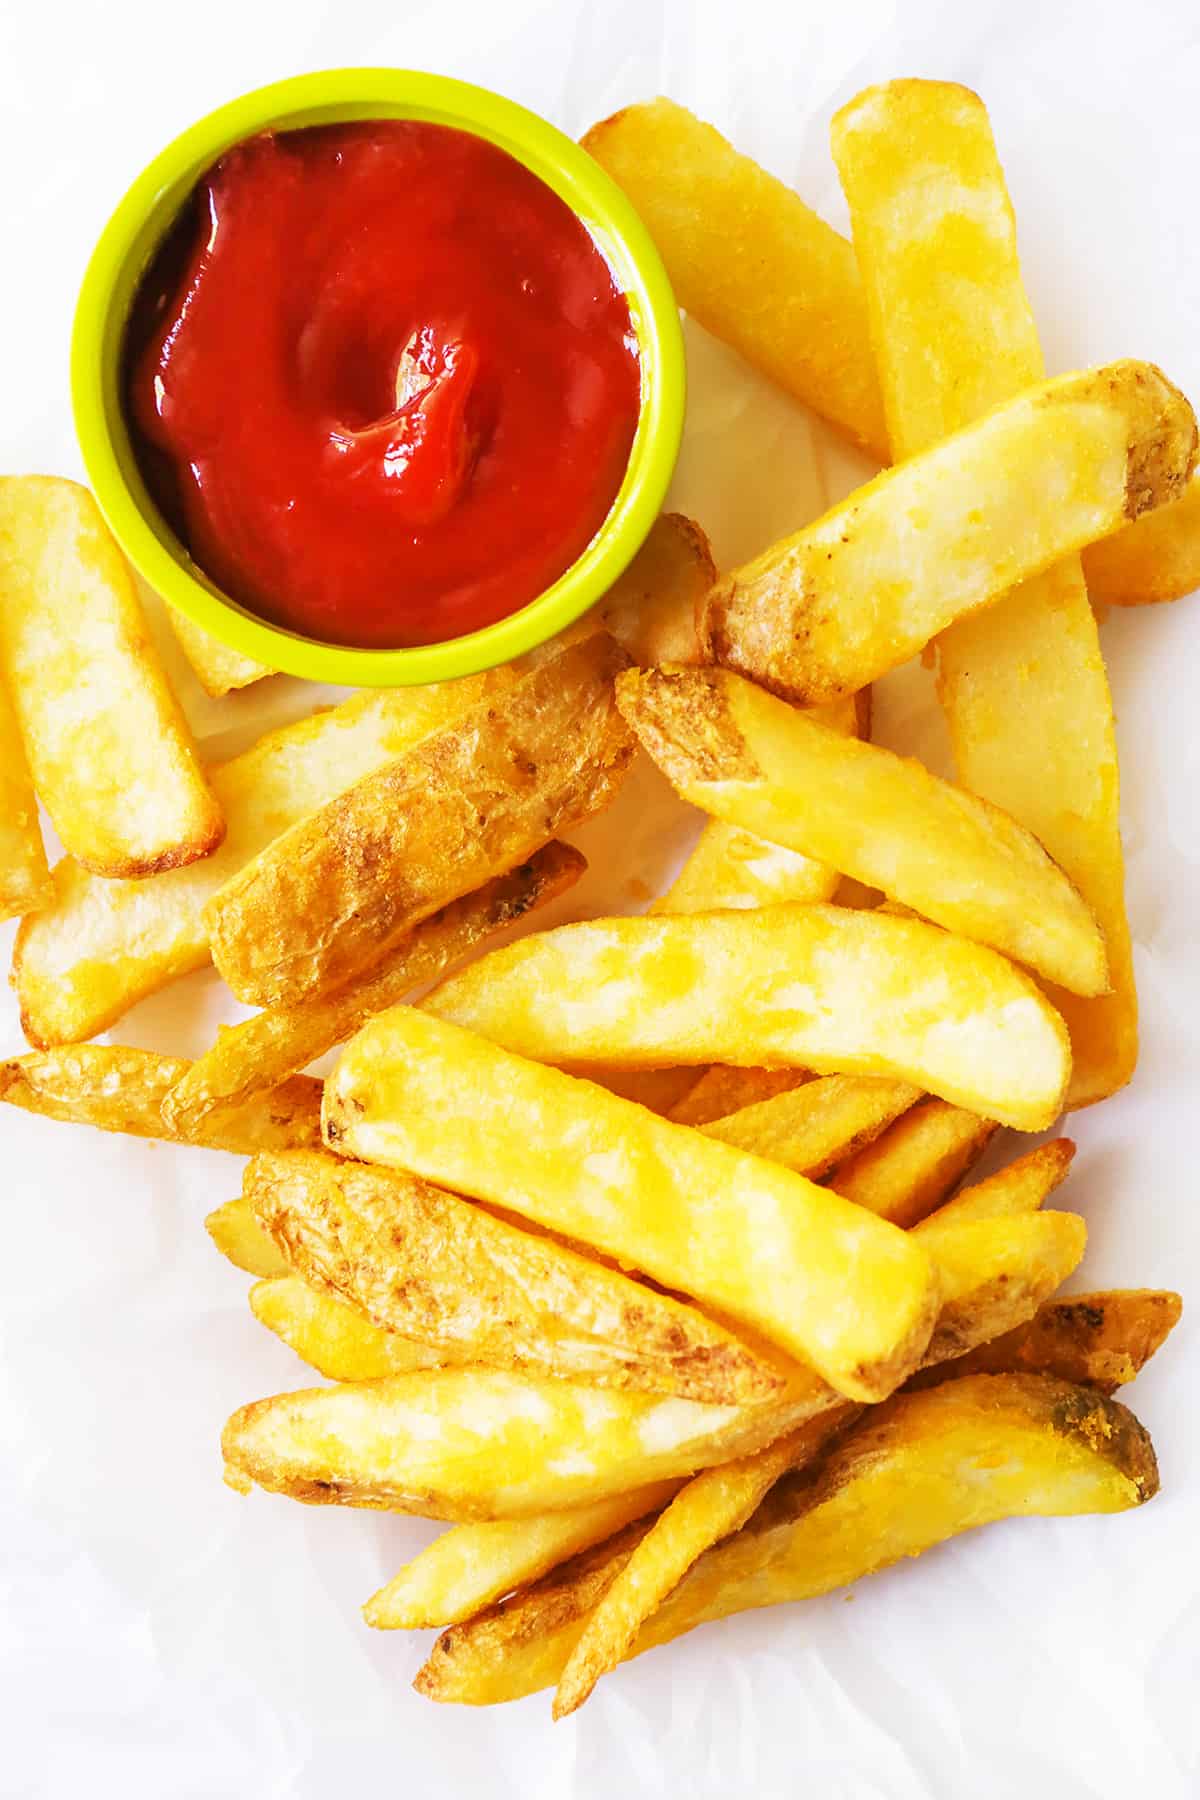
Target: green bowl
133,234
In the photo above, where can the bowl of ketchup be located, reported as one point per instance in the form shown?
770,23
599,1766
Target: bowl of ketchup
377,377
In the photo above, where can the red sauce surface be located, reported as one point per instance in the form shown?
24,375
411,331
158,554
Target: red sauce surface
381,381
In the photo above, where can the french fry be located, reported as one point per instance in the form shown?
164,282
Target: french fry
335,1339
710,1507
267,1048
329,897
651,609
467,1567
821,987
1028,1256
722,1090
721,225
103,945
1023,684
912,1473
218,669
754,762
916,1163
121,1089
24,876
1158,558
1098,1340
111,755
1020,1187
766,1248
237,1234
660,1089
952,529
815,1126
432,1267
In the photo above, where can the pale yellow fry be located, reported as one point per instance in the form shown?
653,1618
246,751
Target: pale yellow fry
947,532
816,1125
651,609
823,1280
111,754
712,1505
1158,558
740,754
240,1238
722,1090
218,669
267,1048
909,1475
118,1088
466,1568
24,877
821,987
1023,684
1026,1255
917,1161
1020,1187
335,1339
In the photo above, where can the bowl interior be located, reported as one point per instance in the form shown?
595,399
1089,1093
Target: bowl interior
134,234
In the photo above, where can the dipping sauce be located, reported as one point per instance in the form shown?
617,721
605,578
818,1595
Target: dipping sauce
381,382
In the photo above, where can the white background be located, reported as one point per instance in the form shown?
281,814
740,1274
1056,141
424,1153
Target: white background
161,1637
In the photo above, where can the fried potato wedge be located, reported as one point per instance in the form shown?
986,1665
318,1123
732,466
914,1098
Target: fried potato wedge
24,876
1028,1257
1020,1187
121,1089
466,1568
916,1163
324,901
912,1473
103,945
822,1280
952,529
1099,1340
814,1126
710,1507
111,754
823,987
749,260
430,1266
237,1234
722,1090
751,761
1158,558
335,1339
218,669
267,1048
651,608
1022,684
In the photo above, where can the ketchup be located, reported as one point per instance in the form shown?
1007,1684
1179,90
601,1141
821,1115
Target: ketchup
381,381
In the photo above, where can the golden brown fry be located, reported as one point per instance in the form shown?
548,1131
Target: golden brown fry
335,1339
264,1050
754,762
218,669
1098,1340
651,609
918,1470
1158,558
764,1247
1020,1187
952,529
722,1090
432,1267
121,1089
821,987
662,1090
24,877
1028,1257
112,758
472,801
1022,684
916,1163
815,1126
466,1568
237,1234
749,260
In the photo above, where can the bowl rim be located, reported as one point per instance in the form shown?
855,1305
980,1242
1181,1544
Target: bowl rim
118,263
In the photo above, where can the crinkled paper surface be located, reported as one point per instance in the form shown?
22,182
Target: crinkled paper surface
161,1637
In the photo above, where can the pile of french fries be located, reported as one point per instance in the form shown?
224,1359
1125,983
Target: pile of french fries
638,1249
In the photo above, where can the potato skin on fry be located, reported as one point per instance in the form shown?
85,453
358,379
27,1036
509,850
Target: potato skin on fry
909,1475
1098,1340
432,1267
327,898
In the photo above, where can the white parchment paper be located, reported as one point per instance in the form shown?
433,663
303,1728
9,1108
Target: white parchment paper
162,1637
